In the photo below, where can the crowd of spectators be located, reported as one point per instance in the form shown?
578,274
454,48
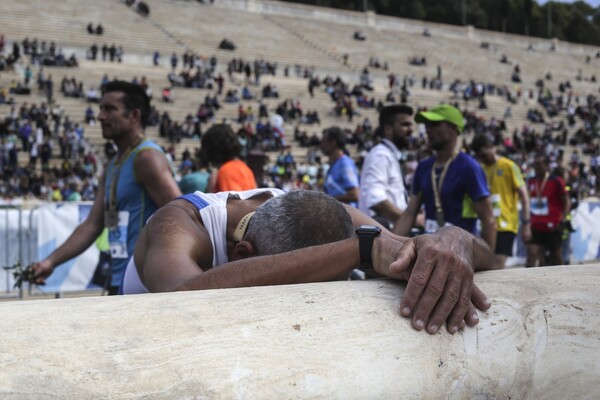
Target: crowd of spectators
33,130
112,53
43,53
558,117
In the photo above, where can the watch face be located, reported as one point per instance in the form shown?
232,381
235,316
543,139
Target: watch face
368,230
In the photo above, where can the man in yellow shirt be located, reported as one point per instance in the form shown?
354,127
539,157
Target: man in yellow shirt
507,187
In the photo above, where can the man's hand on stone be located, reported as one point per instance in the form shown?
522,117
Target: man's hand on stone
439,271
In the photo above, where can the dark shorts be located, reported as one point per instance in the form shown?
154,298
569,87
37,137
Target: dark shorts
550,241
504,243
113,290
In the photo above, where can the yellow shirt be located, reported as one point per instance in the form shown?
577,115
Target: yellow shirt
504,179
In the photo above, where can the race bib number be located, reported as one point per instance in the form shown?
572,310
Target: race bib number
496,205
431,225
117,237
539,206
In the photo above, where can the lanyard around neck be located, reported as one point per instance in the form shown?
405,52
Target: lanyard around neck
112,199
540,189
437,188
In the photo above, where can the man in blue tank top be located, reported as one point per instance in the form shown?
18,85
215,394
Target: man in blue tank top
136,182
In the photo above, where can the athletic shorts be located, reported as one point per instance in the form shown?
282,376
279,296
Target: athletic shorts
550,241
504,243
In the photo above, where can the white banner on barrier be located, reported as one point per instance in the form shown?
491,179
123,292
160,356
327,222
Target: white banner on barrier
585,241
56,223
14,244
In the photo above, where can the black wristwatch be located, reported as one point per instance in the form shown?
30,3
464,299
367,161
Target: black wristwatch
366,234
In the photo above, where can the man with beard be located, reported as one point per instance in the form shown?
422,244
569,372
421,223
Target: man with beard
451,184
137,181
383,195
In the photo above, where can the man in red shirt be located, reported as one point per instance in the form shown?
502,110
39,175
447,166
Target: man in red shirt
550,205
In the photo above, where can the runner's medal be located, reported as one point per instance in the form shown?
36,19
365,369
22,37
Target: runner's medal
439,216
111,219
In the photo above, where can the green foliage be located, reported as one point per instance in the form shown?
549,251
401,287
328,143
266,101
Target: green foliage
574,22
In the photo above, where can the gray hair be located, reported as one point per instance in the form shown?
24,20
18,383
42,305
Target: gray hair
298,219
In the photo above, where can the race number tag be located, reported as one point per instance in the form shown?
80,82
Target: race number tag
117,236
539,206
431,226
496,205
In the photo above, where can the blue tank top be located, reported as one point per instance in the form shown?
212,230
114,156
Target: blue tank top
135,206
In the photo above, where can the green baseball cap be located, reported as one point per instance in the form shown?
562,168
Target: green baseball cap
442,112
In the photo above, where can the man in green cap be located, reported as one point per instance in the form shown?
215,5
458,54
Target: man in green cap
451,184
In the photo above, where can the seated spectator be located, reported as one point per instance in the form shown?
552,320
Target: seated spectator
360,36
417,61
90,28
242,114
175,80
90,118
205,114
246,94
143,9
231,96
227,44
311,117
213,102
71,62
167,95
92,95
17,88
270,91
92,53
99,29
363,101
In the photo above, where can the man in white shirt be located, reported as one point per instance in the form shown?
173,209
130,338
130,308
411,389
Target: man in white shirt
383,195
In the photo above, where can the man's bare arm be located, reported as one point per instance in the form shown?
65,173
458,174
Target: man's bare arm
313,264
405,223
153,171
525,212
484,210
172,249
82,238
388,210
350,196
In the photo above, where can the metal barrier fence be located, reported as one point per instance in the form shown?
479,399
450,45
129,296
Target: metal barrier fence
17,243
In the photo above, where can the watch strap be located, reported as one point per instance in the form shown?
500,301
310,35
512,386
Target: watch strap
365,243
